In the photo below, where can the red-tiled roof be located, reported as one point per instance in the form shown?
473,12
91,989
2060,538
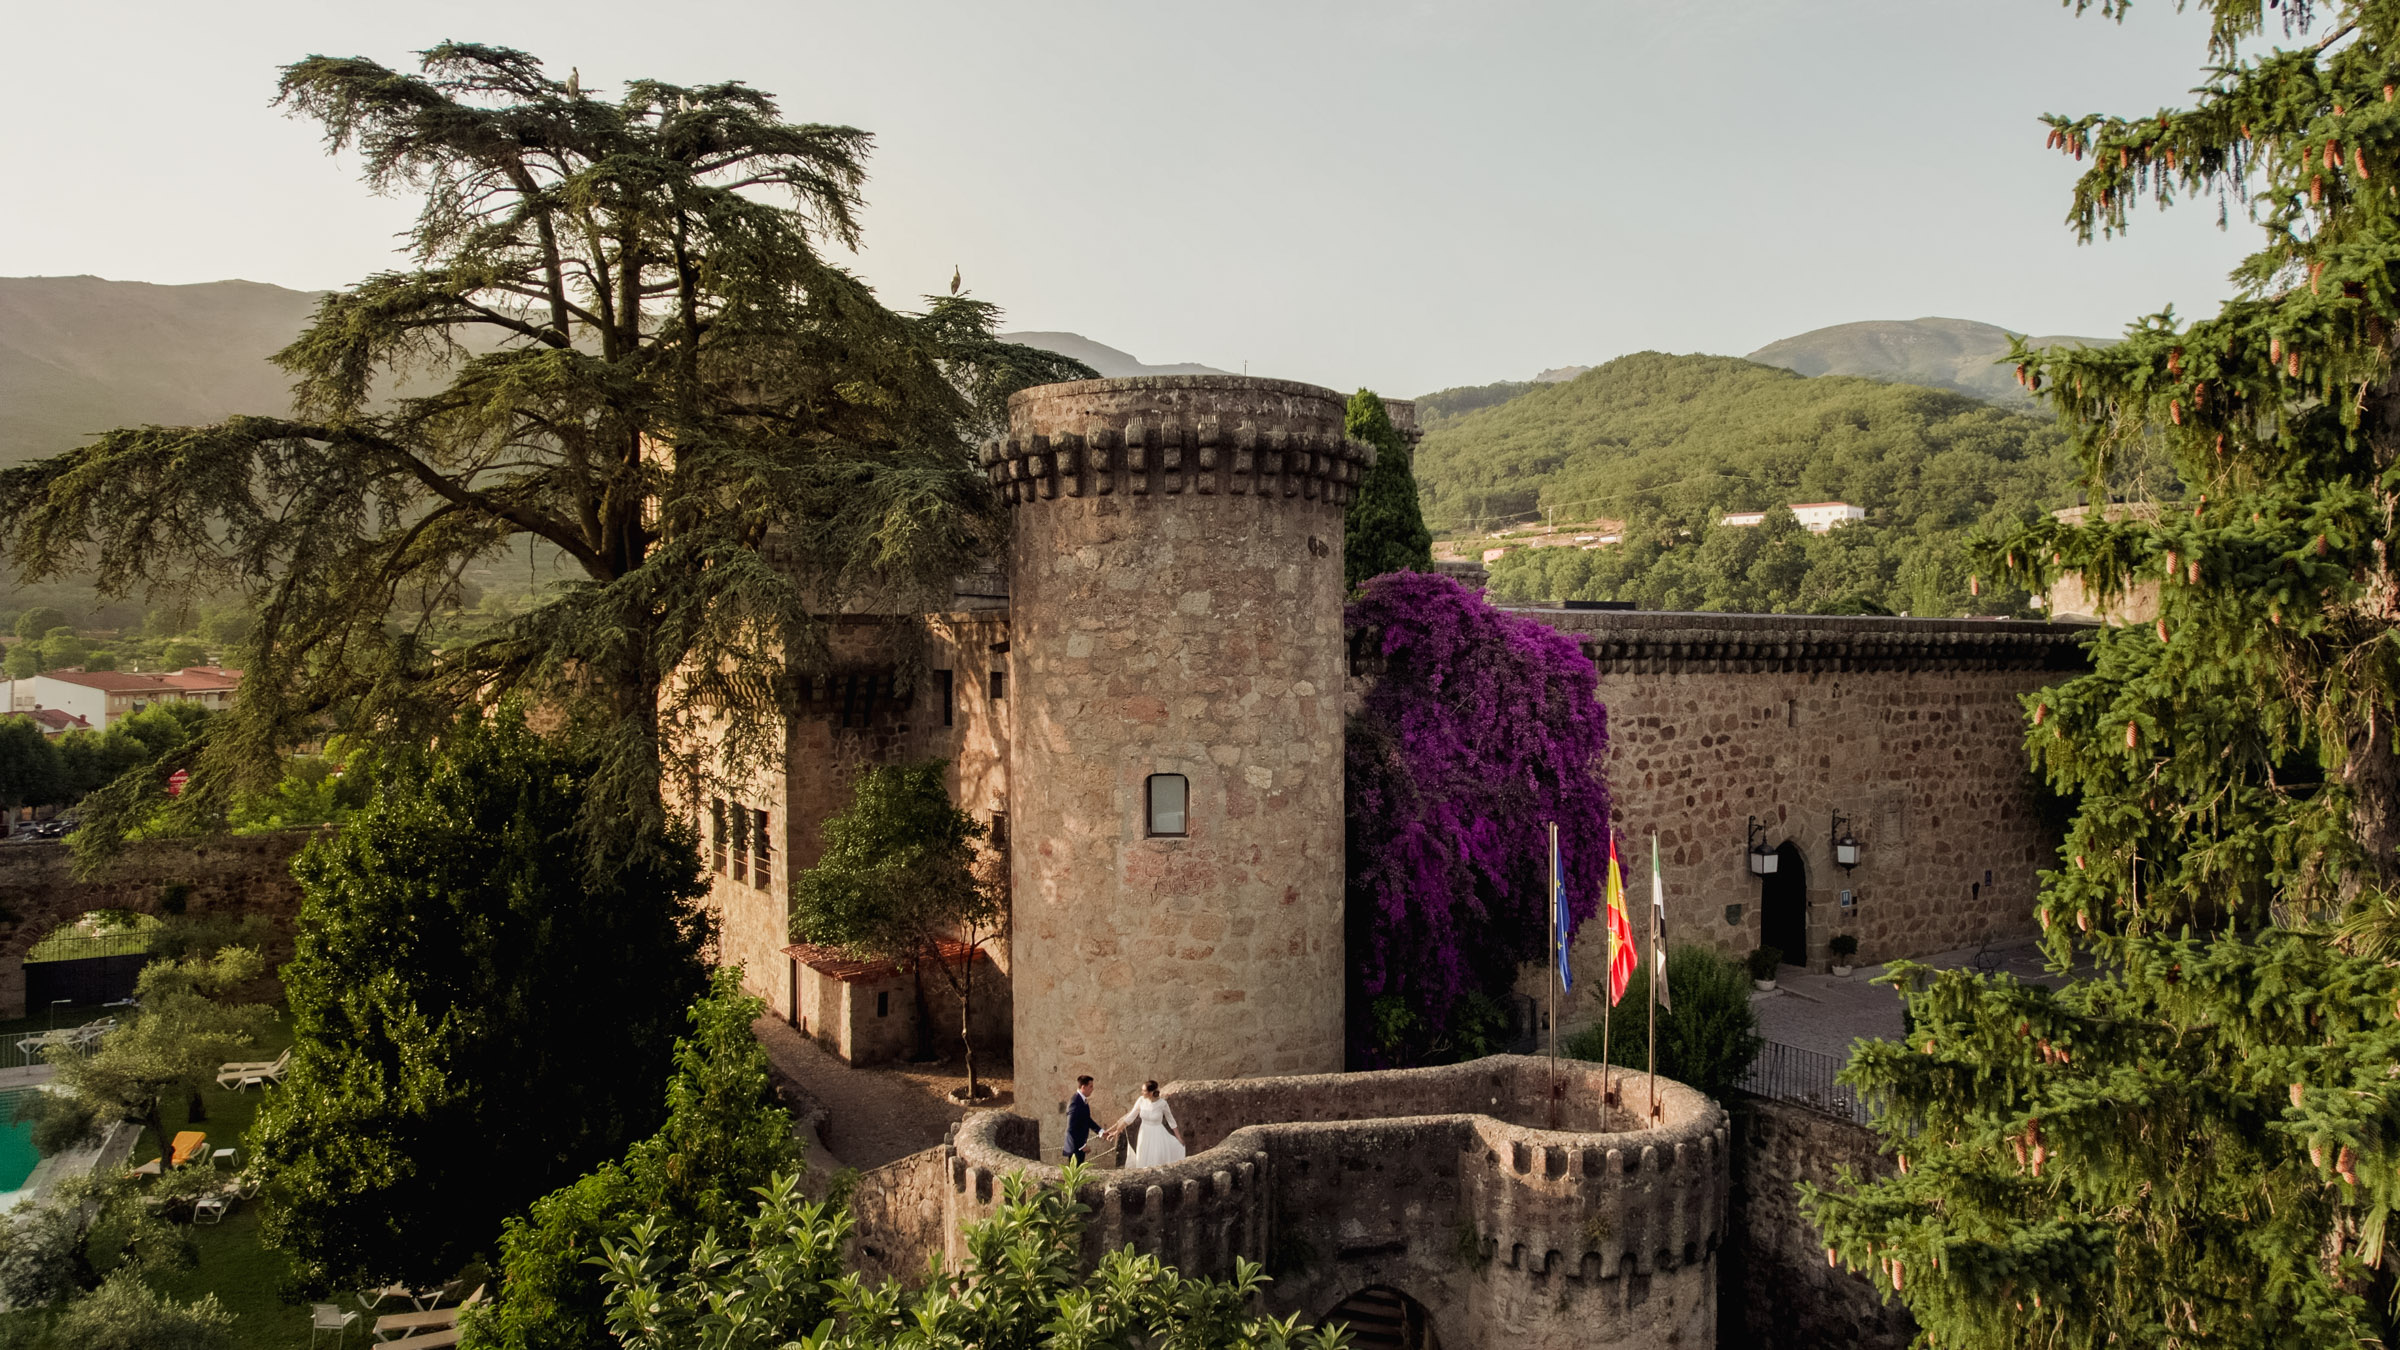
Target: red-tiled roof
113,681
56,719
831,963
203,677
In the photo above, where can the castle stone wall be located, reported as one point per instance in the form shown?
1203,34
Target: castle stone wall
1779,1294
1910,728
1422,1180
233,875
1176,582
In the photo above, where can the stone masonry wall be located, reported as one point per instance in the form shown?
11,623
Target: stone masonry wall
854,716
233,875
896,1213
1778,1292
1176,583
1910,728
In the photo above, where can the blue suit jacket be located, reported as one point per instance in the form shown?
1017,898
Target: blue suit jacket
1079,1123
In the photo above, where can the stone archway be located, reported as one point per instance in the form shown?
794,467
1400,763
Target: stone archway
1382,1318
228,875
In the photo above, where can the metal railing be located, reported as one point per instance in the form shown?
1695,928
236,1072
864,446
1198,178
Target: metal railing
70,945
1787,1073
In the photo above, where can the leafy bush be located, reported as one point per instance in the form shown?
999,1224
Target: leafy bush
1022,1284
126,1314
1764,964
725,1137
1706,1040
1843,946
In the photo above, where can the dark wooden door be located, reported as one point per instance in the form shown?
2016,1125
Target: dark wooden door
1783,906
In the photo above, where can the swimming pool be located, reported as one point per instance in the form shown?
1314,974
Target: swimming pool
17,1154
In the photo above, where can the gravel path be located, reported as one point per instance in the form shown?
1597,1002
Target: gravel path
880,1114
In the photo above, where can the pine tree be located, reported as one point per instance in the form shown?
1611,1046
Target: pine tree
1384,528
2198,1142
640,360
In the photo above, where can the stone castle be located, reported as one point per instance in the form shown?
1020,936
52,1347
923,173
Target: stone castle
1148,709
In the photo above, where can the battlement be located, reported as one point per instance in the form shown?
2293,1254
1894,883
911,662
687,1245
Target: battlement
1168,434
1442,1176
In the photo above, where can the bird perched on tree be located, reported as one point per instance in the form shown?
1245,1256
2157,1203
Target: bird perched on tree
954,278
574,82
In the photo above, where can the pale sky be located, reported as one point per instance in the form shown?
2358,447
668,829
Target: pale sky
1398,195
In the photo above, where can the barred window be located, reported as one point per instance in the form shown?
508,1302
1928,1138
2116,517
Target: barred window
716,833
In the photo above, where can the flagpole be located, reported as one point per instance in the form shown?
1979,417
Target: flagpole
1656,961
1554,959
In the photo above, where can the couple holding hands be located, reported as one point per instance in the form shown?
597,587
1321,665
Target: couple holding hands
1155,1143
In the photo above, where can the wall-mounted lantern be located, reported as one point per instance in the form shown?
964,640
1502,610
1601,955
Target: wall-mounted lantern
1762,858
1845,845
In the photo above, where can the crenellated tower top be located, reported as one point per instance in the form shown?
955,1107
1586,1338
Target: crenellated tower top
1169,434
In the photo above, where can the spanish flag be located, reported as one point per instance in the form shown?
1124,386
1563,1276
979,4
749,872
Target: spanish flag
1620,929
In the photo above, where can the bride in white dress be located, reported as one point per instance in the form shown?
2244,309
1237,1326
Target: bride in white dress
1159,1142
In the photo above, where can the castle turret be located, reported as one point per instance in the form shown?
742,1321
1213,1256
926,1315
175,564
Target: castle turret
1176,642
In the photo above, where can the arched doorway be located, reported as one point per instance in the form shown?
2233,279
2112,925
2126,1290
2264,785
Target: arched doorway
1783,905
1382,1318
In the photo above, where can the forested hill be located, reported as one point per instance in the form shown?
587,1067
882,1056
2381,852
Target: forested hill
1668,444
1956,354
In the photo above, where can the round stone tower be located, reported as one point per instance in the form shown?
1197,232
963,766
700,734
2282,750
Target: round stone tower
1176,640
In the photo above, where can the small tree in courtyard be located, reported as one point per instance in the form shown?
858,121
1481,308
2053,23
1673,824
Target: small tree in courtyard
1383,528
1478,729
477,1017
899,877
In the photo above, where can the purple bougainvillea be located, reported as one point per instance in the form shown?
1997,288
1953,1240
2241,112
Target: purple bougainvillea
1479,729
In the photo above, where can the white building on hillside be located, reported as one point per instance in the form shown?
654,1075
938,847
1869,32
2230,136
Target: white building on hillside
1814,517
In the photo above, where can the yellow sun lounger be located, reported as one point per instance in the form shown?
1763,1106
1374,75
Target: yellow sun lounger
190,1146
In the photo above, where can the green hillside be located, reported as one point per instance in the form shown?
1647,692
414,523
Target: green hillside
1668,444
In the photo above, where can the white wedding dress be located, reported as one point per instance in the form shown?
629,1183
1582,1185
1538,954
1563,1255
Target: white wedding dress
1153,1146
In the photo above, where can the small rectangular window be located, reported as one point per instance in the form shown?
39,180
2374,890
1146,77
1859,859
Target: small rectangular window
761,874
999,834
741,842
716,814
1168,796
883,1003
999,685
947,682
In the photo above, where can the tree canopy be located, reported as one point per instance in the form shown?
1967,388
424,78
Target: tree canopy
476,1016
1383,529
2194,1143
725,1138
899,876
620,336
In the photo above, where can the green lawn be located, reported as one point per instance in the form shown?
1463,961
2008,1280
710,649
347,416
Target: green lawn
232,1265
242,1274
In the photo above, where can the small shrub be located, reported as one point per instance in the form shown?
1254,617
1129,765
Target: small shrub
1763,964
1843,946
1706,1040
126,1314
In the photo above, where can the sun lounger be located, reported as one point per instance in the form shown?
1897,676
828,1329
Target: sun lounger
190,1146
240,1074
211,1208
438,1319
430,1340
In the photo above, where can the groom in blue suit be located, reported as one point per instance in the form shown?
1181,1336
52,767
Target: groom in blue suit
1079,1118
